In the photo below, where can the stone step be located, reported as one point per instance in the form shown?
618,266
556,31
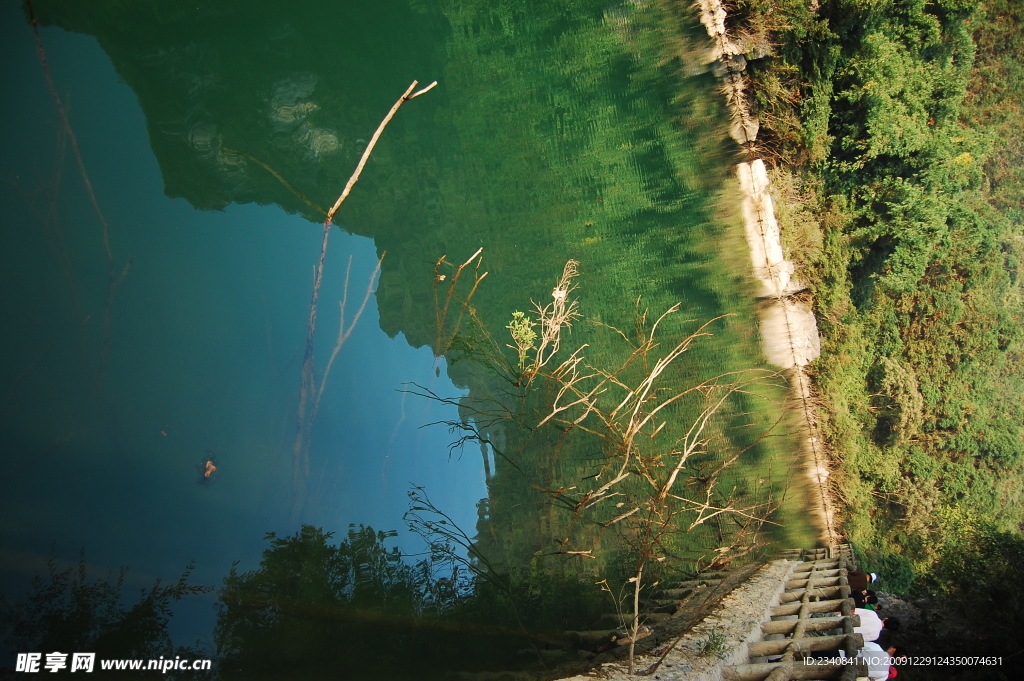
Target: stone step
816,593
813,624
834,605
675,594
819,581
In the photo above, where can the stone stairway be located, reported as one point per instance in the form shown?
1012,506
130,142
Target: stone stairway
814,613
764,627
757,622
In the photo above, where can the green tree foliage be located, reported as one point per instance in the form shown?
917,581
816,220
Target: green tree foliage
978,575
315,609
312,608
69,611
978,563
903,120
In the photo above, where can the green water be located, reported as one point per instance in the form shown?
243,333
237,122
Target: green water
560,130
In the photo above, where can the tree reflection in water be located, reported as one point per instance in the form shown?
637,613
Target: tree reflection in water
314,609
69,611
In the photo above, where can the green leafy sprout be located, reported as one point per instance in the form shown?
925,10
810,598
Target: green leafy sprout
521,328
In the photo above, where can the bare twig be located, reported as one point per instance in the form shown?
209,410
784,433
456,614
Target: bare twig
441,311
560,313
344,333
113,280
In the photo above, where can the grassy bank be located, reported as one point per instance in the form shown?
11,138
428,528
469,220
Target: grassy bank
895,129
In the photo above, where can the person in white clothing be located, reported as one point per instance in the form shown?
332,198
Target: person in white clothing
877,660
871,625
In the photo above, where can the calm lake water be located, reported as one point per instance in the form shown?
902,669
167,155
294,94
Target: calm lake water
157,315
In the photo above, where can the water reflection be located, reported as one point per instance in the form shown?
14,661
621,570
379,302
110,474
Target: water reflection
69,610
562,131
206,336
319,607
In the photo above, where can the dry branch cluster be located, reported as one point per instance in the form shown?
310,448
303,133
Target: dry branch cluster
640,487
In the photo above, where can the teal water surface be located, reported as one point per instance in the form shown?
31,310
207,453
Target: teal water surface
213,138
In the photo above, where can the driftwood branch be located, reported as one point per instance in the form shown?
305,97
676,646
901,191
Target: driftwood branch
304,423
